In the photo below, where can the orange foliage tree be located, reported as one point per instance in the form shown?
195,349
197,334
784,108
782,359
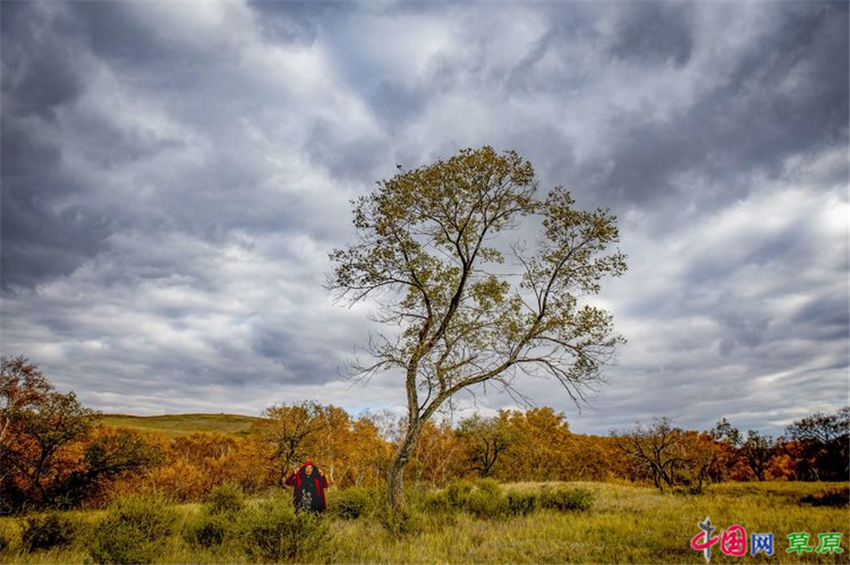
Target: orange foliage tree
53,450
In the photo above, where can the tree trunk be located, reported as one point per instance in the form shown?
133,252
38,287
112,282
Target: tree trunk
396,472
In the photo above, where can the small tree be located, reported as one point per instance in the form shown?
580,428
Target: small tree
52,450
758,450
428,253
486,440
659,449
824,441
36,451
289,428
22,388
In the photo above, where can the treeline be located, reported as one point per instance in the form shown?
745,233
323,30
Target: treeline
56,453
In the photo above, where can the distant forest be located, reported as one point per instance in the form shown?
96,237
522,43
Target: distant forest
56,453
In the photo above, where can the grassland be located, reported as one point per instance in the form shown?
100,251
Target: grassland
625,524
174,425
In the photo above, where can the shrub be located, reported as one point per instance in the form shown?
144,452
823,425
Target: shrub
215,522
457,492
565,498
5,540
404,521
836,497
437,502
273,531
484,498
354,502
45,531
133,530
208,529
521,503
225,499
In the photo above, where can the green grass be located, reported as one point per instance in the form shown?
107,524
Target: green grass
625,524
174,425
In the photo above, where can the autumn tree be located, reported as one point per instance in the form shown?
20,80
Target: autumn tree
437,456
729,461
758,450
53,450
469,307
658,448
702,452
542,445
288,427
485,439
824,439
22,388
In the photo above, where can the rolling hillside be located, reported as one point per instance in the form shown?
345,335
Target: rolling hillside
174,425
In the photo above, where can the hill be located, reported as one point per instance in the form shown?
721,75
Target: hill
174,425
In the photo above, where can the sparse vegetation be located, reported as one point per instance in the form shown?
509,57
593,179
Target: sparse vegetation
273,532
46,531
134,530
624,524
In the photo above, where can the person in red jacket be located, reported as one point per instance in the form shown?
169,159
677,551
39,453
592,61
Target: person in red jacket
310,484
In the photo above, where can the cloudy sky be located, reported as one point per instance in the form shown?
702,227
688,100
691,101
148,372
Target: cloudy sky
175,174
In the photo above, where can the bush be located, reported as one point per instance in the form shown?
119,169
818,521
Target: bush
5,540
457,493
273,531
354,502
208,529
565,498
484,498
521,503
404,521
215,522
225,499
133,530
437,502
45,531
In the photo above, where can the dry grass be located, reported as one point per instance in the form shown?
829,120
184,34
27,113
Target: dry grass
626,524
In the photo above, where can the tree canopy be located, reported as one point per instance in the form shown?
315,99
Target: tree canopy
470,306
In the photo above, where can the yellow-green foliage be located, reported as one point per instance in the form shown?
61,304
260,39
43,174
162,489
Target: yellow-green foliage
217,518
47,530
625,524
134,530
565,498
226,499
485,498
354,502
273,532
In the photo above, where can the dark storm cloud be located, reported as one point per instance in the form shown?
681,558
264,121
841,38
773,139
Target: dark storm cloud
40,73
785,94
654,33
42,234
174,174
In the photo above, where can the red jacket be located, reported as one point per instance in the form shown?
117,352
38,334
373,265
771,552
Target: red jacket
309,491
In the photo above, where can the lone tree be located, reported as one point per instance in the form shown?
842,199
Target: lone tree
429,253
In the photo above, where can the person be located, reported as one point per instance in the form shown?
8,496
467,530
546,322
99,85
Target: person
310,484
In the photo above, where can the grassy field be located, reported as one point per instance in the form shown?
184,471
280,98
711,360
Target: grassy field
174,425
625,524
